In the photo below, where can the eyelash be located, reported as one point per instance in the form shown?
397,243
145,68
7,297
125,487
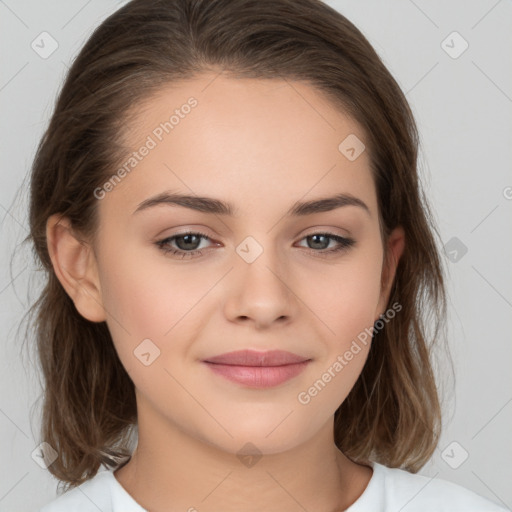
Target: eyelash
344,244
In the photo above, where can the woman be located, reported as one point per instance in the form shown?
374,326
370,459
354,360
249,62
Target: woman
240,263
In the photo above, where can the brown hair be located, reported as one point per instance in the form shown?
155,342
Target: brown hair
392,414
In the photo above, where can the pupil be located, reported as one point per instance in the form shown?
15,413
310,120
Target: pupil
188,242
315,241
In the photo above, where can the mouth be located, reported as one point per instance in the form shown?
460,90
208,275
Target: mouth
257,369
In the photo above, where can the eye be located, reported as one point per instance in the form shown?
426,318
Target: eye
185,242
322,240
188,244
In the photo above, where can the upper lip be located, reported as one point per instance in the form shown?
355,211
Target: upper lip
255,358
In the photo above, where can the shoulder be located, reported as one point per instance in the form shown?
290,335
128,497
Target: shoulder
410,492
94,494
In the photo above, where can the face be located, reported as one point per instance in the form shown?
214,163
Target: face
260,277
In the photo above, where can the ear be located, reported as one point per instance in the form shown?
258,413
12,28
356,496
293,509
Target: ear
395,247
75,266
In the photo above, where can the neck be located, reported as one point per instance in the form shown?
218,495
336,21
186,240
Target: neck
173,471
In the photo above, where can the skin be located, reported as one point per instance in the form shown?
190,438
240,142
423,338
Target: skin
261,145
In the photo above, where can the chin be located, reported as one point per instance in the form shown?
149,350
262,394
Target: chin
263,437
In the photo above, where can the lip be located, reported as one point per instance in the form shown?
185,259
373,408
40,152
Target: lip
255,358
257,369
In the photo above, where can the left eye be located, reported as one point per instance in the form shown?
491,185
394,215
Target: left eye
188,244
316,240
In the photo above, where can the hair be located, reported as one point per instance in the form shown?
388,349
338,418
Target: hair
392,415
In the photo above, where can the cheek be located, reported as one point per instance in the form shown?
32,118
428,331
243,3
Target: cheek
348,310
156,301
350,296
128,294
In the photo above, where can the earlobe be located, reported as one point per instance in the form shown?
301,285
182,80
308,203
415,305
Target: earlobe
395,248
74,264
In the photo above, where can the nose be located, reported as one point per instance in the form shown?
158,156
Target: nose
260,292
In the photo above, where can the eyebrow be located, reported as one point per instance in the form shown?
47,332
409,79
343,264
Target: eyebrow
218,207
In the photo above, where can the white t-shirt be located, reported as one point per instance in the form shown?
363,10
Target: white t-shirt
389,490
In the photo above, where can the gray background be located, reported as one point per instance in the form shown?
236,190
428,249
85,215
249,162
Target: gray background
463,106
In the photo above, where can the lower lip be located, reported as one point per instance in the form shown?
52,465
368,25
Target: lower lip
258,376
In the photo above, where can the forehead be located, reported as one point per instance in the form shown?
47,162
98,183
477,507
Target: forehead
250,141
